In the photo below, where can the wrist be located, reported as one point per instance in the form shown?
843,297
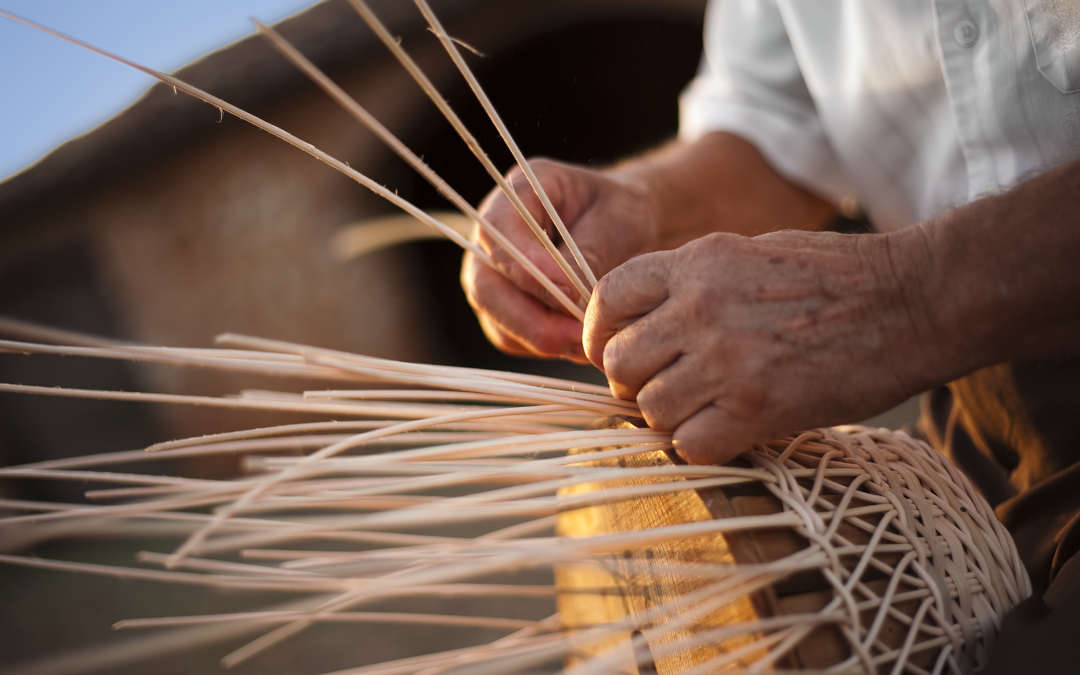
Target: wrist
997,278
642,204
1008,283
719,183
924,346
677,185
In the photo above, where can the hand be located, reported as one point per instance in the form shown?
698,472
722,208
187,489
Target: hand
730,341
659,200
610,220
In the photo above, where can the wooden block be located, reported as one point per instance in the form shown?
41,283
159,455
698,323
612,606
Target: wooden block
635,583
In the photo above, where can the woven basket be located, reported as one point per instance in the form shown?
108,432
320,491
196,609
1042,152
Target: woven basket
847,549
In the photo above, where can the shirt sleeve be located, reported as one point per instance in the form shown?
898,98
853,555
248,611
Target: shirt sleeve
750,85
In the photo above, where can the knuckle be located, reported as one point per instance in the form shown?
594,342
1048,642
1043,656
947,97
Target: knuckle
615,354
616,365
656,406
519,181
544,167
514,173
700,297
600,303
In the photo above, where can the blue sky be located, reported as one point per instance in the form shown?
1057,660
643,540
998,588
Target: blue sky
51,91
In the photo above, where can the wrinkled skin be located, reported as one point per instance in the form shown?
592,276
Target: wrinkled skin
656,202
729,328
729,341
517,314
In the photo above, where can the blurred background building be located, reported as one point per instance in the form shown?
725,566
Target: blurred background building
170,224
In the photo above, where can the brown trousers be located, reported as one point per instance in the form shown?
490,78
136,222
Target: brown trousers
1014,429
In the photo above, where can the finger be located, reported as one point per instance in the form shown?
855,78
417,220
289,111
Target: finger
677,392
517,320
642,350
628,292
506,343
501,339
713,435
501,213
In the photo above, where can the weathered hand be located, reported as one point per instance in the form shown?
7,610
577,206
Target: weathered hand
657,201
610,221
730,341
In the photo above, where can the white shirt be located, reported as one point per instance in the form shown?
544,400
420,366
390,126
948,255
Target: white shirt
905,107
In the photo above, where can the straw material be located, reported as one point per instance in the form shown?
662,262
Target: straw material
848,549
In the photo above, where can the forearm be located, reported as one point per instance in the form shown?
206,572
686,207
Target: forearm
720,183
999,278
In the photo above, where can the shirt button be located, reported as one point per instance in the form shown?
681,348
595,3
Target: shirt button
966,33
